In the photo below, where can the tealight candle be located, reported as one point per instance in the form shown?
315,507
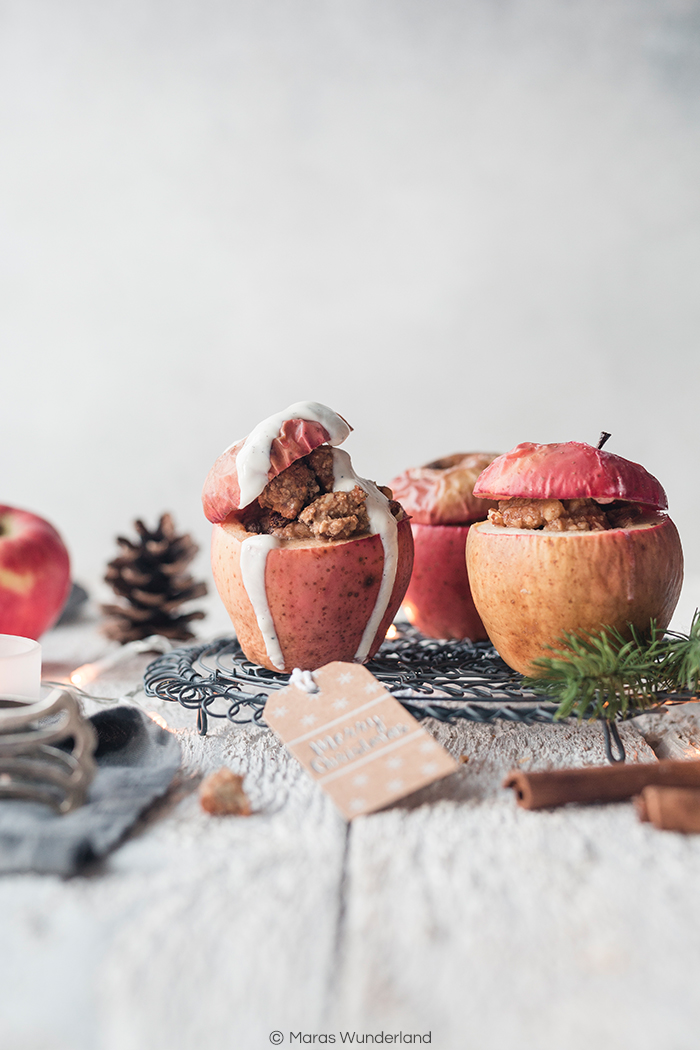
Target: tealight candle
20,666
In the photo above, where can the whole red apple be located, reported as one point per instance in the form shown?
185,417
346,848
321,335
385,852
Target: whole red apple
34,573
578,543
440,499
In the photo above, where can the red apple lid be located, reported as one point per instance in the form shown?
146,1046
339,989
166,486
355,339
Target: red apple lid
568,470
442,492
241,472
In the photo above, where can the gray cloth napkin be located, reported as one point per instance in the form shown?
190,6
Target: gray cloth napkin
136,762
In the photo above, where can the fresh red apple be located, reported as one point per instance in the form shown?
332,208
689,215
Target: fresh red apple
303,600
34,573
440,499
530,585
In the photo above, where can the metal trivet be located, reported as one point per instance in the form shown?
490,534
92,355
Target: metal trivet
217,681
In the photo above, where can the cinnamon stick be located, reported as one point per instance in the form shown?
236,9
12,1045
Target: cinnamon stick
670,808
598,783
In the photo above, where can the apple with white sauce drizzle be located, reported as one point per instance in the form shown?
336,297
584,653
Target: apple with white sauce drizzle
304,587
578,543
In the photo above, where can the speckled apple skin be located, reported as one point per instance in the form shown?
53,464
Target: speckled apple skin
530,587
320,597
439,600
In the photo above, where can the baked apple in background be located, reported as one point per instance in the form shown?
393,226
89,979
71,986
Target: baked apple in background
440,500
34,573
310,560
579,542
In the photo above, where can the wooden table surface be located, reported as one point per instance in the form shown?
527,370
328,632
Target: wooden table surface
452,913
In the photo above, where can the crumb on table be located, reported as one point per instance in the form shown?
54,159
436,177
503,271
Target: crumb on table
222,794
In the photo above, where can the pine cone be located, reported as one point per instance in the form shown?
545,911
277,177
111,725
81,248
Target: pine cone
151,574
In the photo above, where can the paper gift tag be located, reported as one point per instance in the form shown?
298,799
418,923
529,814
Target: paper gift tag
355,739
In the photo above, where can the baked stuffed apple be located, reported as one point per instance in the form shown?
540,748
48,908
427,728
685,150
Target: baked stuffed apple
578,542
310,560
440,500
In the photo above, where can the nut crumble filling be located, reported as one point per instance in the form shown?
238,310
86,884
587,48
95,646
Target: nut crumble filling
568,515
299,503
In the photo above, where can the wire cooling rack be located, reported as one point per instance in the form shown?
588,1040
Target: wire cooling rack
446,680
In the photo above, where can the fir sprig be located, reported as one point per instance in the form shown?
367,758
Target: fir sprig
605,675
683,659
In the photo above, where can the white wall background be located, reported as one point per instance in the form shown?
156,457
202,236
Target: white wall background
461,223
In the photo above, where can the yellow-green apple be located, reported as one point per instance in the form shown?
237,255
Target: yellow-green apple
440,499
579,542
311,561
34,573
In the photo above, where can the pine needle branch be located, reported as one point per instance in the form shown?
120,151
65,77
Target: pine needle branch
683,656
605,675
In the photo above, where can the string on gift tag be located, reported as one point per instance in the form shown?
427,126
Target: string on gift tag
303,680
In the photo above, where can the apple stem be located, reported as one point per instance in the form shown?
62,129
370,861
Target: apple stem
603,438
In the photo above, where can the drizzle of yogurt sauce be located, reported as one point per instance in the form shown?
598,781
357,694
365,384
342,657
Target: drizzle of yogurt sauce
253,461
254,552
253,465
381,522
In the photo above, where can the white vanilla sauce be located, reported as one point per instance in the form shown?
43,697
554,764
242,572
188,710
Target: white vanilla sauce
253,461
382,523
254,551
